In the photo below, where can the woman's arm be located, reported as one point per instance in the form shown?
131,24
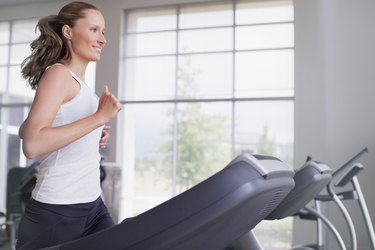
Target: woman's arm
39,137
104,137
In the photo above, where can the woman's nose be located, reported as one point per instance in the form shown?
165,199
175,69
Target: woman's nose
102,40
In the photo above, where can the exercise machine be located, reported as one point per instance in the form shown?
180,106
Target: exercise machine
341,178
210,215
309,180
20,182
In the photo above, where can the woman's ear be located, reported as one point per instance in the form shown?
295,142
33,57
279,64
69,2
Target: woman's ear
67,31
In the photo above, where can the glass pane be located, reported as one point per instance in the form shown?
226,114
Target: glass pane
91,75
203,142
275,234
265,73
206,40
14,149
206,15
19,52
17,114
265,36
150,78
151,20
4,50
199,78
3,79
17,85
148,156
265,127
4,32
199,143
24,31
264,12
151,44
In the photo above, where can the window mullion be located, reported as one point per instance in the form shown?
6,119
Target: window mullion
233,118
175,117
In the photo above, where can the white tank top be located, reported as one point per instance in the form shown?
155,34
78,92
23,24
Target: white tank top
71,174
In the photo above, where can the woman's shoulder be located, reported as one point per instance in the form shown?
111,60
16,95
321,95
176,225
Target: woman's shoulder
58,79
57,67
54,75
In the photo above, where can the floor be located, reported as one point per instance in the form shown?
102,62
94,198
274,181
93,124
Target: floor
5,247
4,242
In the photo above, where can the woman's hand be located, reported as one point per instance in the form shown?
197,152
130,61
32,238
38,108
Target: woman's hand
104,137
109,105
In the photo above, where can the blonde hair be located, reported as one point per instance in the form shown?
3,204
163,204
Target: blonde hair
50,47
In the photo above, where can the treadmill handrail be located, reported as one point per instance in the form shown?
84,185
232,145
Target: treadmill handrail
350,162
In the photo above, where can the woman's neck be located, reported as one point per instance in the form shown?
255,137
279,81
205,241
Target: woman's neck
77,68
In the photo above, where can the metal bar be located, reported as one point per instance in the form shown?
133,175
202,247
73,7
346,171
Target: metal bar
291,98
365,213
207,52
15,105
329,225
209,27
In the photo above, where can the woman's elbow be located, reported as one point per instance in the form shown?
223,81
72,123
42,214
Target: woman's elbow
29,150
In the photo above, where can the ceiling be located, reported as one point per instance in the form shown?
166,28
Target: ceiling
15,2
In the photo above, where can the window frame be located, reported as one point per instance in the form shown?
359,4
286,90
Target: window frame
176,100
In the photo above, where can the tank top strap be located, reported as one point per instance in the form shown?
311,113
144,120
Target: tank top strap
71,72
81,83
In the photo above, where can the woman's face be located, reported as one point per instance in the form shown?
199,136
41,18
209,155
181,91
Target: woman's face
86,38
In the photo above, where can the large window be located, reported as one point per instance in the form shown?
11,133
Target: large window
201,84
15,94
15,38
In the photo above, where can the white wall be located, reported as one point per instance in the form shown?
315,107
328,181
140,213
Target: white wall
335,81
335,87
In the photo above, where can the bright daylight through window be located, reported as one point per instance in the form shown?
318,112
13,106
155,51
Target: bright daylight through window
201,84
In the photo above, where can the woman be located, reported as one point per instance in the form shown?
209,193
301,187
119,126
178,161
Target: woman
65,129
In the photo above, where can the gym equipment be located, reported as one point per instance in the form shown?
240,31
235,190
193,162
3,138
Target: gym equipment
111,187
341,177
309,180
314,213
344,175
20,181
210,215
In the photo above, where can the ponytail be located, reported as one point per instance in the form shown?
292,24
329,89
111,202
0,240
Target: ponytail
45,50
50,48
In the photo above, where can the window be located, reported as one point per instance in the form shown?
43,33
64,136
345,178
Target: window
15,94
203,83
15,38
15,46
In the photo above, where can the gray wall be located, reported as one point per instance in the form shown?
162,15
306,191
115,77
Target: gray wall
335,81
335,87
